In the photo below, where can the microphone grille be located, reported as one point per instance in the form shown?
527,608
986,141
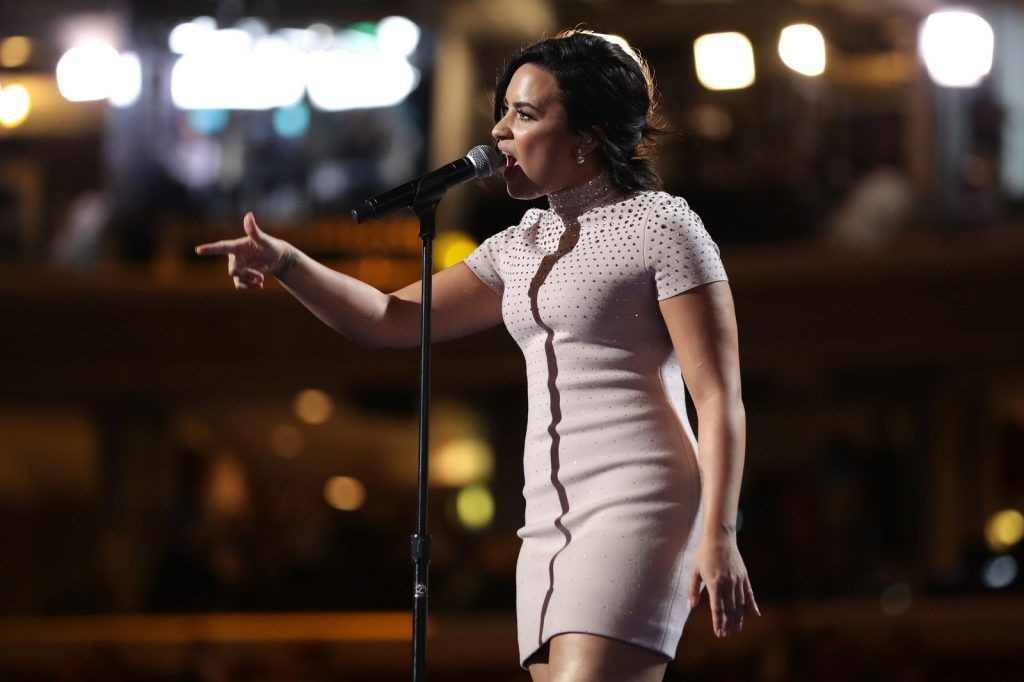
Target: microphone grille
485,160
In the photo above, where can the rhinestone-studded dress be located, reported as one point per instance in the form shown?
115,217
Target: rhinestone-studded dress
610,459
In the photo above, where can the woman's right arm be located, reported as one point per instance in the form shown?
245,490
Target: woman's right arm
461,303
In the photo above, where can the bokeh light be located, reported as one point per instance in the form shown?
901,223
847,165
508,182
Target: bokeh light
127,82
313,406
398,36
340,80
207,121
344,493
87,71
291,121
452,247
724,61
15,104
896,599
802,48
957,47
474,507
287,441
192,35
462,461
231,70
999,572
15,51
1004,529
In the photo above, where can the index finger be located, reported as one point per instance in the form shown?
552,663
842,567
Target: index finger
220,248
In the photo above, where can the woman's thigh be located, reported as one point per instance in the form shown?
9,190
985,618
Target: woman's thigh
579,657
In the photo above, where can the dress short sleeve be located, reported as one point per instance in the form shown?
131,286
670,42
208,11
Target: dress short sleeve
678,251
486,260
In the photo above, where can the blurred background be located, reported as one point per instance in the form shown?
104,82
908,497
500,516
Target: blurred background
204,484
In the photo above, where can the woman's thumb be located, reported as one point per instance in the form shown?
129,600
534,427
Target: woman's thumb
251,229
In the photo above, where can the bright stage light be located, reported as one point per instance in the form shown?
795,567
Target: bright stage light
802,48
341,80
397,36
231,71
725,61
191,36
15,104
86,72
127,81
957,47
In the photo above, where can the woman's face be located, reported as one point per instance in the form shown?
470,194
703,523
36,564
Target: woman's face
535,137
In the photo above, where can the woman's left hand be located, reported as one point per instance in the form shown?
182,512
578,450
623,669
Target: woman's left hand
719,564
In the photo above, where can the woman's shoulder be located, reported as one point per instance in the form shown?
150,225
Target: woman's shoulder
668,211
529,218
659,198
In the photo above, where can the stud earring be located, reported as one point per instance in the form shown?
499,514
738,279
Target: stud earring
579,157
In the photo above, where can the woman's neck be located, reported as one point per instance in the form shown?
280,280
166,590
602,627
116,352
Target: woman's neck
573,201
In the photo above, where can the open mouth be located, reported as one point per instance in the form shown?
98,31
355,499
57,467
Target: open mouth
510,162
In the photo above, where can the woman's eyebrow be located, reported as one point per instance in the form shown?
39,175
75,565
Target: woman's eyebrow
520,104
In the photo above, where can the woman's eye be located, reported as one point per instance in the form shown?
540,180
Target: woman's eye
522,115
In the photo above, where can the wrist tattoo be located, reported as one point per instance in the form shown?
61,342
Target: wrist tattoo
729,528
288,262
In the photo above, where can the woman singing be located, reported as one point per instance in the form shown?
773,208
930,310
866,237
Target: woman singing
616,294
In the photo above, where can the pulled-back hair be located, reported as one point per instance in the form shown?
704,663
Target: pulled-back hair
601,85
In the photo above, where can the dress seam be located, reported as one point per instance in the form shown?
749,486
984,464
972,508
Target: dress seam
643,236
681,432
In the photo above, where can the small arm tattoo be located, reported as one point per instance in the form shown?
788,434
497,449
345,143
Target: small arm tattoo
289,262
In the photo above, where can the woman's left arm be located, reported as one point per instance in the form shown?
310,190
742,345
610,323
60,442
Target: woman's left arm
702,324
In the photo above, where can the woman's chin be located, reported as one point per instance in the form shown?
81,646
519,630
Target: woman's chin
519,186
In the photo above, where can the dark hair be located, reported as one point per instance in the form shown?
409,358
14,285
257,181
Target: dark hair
604,85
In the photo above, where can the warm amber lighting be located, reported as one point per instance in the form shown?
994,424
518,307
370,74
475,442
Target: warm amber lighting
15,51
287,441
344,493
474,507
313,406
462,461
14,105
1004,529
227,487
452,247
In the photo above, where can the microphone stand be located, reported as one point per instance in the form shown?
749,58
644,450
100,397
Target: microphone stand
426,193
427,213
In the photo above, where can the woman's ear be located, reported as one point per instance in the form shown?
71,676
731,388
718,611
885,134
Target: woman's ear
589,139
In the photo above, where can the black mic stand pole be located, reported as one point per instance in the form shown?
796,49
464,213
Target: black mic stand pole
427,213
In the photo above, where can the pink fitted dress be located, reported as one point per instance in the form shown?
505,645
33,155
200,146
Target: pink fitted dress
611,489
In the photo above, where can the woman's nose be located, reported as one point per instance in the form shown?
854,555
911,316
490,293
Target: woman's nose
500,129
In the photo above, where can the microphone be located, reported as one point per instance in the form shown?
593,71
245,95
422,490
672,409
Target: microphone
482,161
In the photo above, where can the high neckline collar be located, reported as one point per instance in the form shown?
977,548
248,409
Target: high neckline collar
574,201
